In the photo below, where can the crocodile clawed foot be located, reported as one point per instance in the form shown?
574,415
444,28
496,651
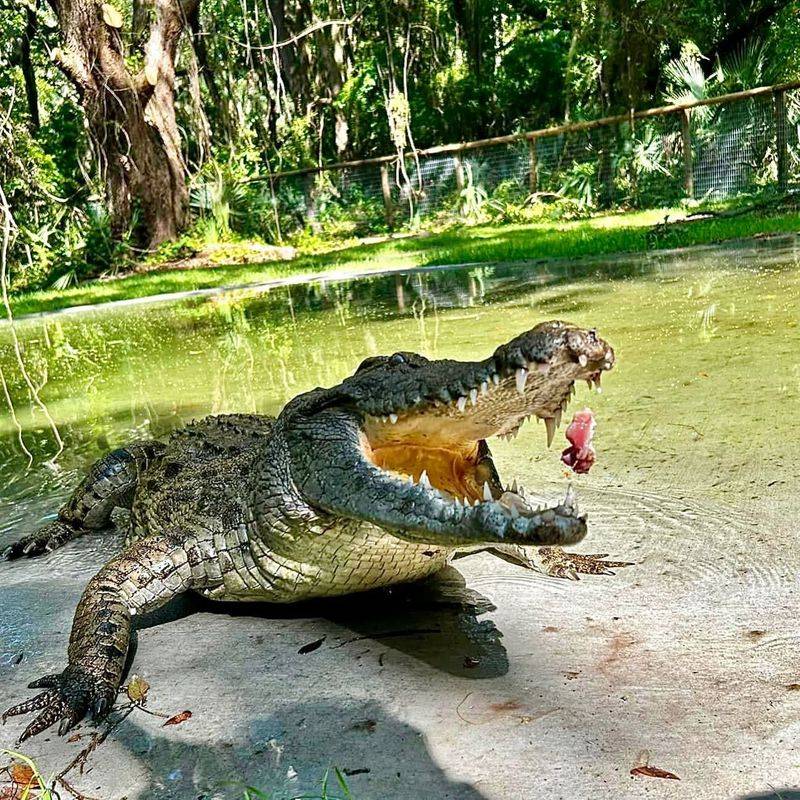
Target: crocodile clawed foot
559,564
44,540
67,698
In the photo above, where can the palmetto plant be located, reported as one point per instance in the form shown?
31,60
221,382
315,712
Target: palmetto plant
473,196
690,77
686,80
219,194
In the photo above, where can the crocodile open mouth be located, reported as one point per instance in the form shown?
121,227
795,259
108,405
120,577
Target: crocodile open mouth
442,444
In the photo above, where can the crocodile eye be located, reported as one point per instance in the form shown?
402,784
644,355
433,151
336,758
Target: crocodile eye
397,359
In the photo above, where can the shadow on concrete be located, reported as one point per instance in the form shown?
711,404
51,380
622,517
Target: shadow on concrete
434,621
286,755
774,794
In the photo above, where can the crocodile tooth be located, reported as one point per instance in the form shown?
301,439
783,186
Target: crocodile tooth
393,418
496,379
557,417
521,377
461,403
514,487
485,387
607,365
570,501
384,419
473,396
550,425
582,360
487,492
424,480
609,356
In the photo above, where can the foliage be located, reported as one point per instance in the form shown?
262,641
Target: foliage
264,87
473,195
27,783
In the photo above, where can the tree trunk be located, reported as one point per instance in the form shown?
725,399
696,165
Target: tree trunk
28,71
628,41
131,117
222,120
331,75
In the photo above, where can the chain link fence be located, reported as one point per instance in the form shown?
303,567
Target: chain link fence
712,150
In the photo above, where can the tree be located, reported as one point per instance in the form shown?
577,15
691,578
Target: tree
130,113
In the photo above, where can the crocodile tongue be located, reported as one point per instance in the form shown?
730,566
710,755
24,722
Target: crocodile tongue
579,456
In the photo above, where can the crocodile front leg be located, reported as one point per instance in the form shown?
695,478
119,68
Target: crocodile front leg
110,483
143,577
557,562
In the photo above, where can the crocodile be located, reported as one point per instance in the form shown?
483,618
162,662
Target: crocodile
380,480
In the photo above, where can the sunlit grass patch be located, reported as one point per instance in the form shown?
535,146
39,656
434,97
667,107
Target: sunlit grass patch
604,234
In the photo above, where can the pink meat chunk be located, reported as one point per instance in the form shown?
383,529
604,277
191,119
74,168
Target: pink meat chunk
579,456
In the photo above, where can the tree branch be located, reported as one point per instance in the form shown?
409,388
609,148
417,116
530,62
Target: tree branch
328,23
750,26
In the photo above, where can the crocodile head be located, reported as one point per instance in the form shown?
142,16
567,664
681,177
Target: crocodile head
421,427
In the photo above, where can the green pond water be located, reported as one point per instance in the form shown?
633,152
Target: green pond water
702,405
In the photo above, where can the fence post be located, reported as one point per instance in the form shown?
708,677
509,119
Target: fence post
779,112
310,199
458,167
386,190
533,176
686,137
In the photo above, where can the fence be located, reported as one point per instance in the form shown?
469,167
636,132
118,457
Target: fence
710,149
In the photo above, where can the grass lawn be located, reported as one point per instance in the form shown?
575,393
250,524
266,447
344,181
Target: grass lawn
600,235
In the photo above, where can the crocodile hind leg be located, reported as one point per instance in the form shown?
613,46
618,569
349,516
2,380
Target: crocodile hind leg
111,483
557,562
145,576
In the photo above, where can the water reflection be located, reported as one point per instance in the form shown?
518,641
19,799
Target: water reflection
707,341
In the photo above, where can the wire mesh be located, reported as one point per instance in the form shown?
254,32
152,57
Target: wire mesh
740,146
734,148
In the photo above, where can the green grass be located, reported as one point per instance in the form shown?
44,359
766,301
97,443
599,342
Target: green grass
251,793
600,235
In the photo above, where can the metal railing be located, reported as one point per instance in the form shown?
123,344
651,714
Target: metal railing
714,148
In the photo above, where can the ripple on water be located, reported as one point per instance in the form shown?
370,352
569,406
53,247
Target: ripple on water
696,547
700,544
786,641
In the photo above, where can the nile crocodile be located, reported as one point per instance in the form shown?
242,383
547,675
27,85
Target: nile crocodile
377,481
